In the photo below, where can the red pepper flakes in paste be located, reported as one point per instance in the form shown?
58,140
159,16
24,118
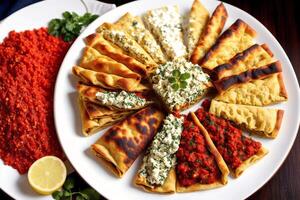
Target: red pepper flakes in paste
29,63
230,142
195,163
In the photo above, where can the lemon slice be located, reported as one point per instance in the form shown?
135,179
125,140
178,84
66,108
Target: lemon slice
47,174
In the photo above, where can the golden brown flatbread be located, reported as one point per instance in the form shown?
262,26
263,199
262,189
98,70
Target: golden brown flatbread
95,118
238,37
198,18
259,92
247,76
106,48
134,26
109,81
210,33
169,185
257,120
238,151
218,158
124,142
253,57
122,39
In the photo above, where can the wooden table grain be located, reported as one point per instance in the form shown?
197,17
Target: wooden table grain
279,16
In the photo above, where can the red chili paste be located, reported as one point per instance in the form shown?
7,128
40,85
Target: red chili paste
195,163
29,63
230,142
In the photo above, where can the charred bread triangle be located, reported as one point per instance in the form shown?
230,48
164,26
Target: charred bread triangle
109,81
210,33
197,20
244,77
119,147
122,39
257,120
109,49
212,152
134,26
95,118
161,156
89,93
238,37
261,92
253,57
238,151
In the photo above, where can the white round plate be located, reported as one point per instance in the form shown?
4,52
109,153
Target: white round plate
35,16
76,146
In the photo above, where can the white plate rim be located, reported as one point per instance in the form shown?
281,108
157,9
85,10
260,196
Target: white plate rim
266,31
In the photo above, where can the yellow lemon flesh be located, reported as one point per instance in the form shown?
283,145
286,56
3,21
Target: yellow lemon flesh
47,174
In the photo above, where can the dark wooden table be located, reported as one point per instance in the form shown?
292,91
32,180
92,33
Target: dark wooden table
279,16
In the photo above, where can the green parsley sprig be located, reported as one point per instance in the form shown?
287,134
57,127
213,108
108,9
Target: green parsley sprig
72,190
70,26
178,80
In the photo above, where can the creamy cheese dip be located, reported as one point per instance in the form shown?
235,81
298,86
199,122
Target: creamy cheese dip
121,99
161,155
196,83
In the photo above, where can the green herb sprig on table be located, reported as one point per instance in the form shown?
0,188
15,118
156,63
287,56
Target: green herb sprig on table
75,188
178,80
70,26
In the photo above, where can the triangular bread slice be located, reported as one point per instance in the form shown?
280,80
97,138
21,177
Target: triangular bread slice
238,151
238,37
256,120
209,152
134,26
166,25
95,118
262,92
197,20
210,33
109,81
247,76
106,48
123,40
253,57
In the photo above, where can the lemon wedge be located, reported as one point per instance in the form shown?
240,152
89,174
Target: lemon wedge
47,174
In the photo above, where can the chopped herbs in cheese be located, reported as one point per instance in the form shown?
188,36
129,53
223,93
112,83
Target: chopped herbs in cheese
166,24
161,155
121,99
179,82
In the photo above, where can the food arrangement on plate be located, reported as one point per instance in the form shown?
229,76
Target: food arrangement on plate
139,74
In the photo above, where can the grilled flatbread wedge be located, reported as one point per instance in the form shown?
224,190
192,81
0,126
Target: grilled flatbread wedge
166,25
257,120
247,76
95,118
134,26
262,92
157,172
238,37
210,33
109,81
119,147
195,137
106,48
89,93
238,150
253,57
198,18
123,40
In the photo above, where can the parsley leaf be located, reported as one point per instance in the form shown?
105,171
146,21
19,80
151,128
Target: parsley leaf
70,26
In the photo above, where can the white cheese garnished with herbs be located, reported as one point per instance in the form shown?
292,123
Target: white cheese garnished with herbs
179,82
121,99
166,24
161,155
